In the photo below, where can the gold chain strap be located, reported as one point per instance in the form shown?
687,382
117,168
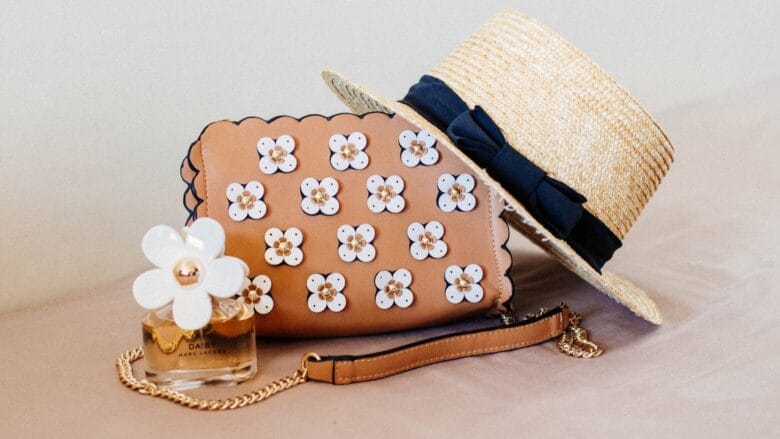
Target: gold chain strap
124,368
574,340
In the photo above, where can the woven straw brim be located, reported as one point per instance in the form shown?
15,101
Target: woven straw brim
361,100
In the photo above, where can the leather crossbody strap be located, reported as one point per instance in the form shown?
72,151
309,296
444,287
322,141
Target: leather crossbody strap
347,369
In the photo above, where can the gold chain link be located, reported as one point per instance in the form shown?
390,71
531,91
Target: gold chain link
574,340
124,368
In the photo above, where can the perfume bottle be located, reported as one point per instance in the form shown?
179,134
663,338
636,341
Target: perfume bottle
197,330
223,352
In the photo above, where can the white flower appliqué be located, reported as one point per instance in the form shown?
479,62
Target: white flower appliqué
347,152
418,148
282,247
256,293
456,193
463,283
426,240
326,292
393,288
246,200
385,194
356,243
320,196
277,155
190,269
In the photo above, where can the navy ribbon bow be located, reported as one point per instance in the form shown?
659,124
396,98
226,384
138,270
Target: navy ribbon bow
555,205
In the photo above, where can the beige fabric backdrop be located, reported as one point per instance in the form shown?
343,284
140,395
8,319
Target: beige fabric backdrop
101,99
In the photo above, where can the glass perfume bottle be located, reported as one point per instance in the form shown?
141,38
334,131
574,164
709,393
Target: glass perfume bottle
223,352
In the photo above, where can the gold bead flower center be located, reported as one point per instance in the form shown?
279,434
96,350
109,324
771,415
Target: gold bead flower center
418,148
277,154
283,247
246,200
456,192
349,151
319,196
326,291
393,288
356,242
463,282
385,193
251,294
187,272
427,240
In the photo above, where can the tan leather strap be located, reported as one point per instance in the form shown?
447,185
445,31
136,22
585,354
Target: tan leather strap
347,369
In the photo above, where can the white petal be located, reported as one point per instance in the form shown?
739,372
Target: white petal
336,142
294,258
403,276
163,246
233,191
268,166
205,238
405,138
396,204
381,278
264,145
339,162
453,294
373,183
309,206
338,303
246,282
316,304
257,211
446,204
192,309
346,254
330,185
243,264
237,213
427,138
272,235
367,254
308,185
414,231
405,299
265,305
418,251
337,280
445,182
286,142
358,139
396,182
475,294
465,180
330,207
468,203
289,164
255,188
272,258
344,232
409,159
314,281
430,157
360,161
367,230
382,300
475,271
263,283
375,204
154,288
439,249
294,235
452,272
436,229
223,277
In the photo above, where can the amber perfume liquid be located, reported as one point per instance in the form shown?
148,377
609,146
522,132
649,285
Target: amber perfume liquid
222,353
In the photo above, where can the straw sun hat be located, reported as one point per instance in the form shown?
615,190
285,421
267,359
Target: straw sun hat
574,155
